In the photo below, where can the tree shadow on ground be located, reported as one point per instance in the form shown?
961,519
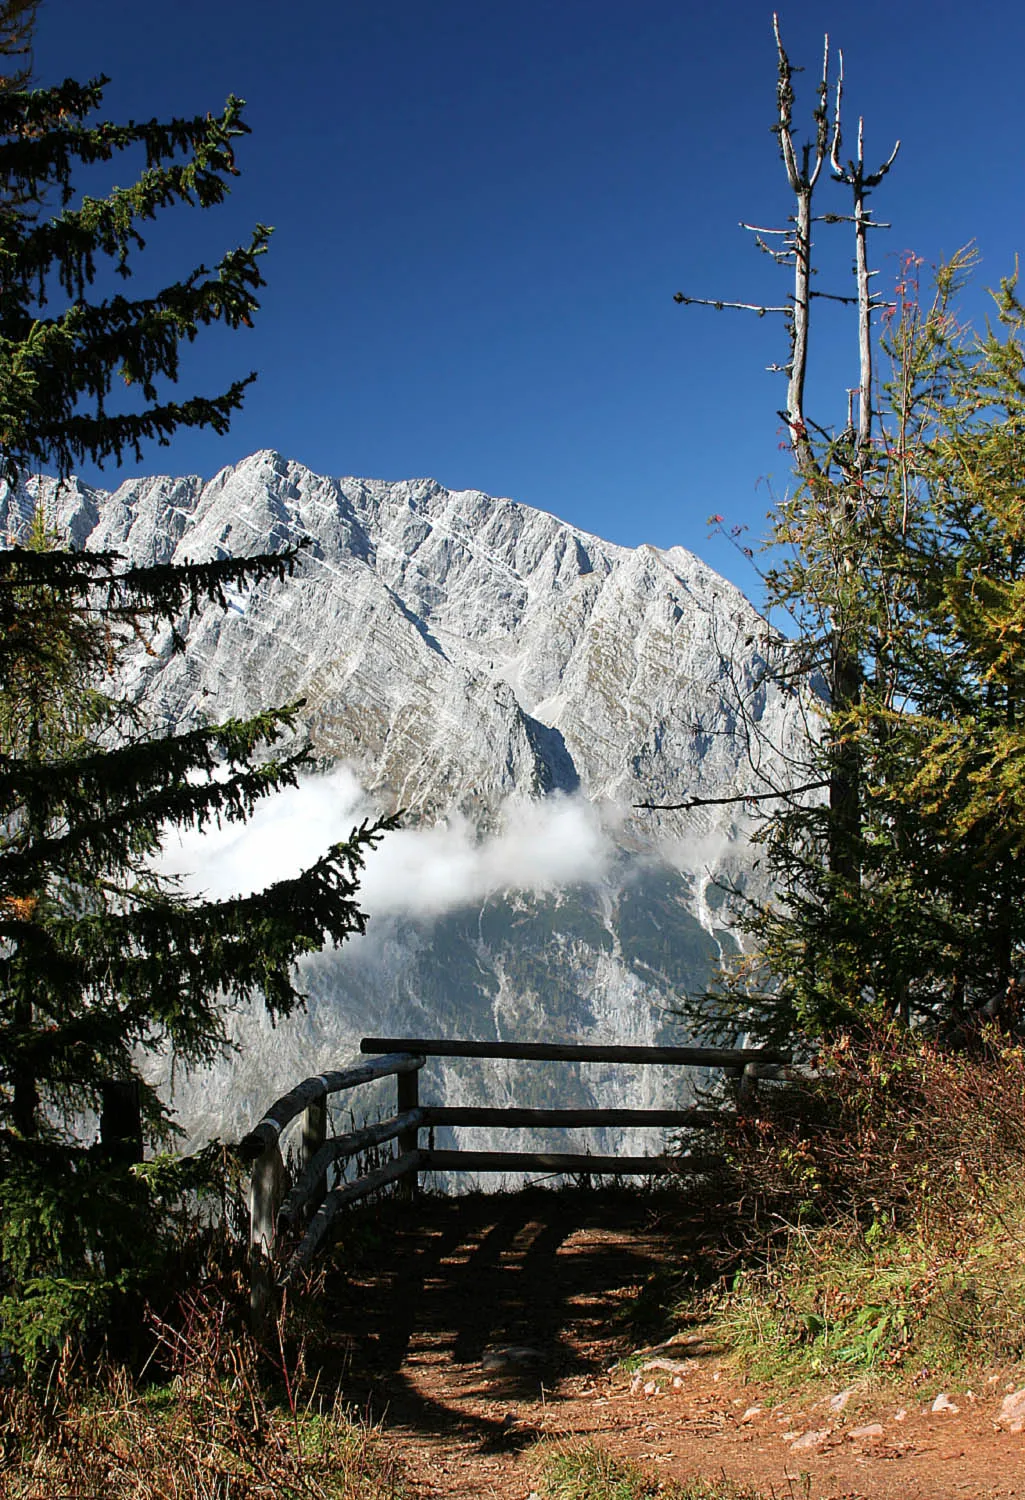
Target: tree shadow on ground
506,1293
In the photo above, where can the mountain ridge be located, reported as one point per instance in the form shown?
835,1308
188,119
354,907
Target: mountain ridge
471,595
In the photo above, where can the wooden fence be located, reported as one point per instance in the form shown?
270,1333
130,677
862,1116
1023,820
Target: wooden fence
300,1214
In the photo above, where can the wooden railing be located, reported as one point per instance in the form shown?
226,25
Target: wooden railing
279,1210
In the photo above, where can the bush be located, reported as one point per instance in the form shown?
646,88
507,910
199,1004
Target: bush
884,1213
891,1131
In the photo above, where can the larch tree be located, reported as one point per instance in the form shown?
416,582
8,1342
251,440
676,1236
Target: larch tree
102,960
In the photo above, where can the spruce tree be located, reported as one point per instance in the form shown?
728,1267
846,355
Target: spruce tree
101,959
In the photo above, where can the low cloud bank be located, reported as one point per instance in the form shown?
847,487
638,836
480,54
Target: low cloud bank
425,871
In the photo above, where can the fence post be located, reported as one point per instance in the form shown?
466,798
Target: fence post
408,1097
743,1084
266,1191
121,1120
314,1134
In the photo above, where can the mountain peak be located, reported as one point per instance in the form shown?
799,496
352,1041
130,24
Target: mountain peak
455,646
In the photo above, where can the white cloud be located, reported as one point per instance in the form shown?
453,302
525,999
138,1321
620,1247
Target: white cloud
541,846
423,871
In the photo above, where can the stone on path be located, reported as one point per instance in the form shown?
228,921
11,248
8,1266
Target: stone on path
671,1366
1012,1411
810,1439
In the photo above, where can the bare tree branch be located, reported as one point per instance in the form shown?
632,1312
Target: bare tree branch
718,305
792,791
861,183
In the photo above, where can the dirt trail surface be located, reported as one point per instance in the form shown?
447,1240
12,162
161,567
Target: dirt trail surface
490,1323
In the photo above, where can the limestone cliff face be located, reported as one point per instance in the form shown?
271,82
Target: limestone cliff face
459,652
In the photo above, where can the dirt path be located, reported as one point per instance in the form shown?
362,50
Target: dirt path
498,1321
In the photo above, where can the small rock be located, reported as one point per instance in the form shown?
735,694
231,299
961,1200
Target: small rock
1012,1411
840,1400
870,1430
788,1437
677,1382
943,1403
671,1366
650,1388
752,1411
810,1439
635,1385
901,1414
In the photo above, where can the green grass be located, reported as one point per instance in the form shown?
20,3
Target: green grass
837,1303
588,1473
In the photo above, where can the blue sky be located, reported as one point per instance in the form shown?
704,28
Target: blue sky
482,211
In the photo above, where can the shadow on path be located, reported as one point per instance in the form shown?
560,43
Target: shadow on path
451,1307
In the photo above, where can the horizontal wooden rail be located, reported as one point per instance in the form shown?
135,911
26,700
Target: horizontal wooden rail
569,1118
566,1161
338,1149
285,1109
693,1057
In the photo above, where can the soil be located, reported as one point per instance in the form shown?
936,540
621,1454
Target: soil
474,1327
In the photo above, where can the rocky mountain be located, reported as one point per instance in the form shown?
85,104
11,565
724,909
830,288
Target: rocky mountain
474,662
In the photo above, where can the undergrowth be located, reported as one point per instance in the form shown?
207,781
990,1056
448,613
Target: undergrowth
884,1207
229,1420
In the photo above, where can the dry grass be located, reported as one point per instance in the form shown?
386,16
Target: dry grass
230,1423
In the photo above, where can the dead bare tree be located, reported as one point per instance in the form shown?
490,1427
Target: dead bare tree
861,184
803,168
832,469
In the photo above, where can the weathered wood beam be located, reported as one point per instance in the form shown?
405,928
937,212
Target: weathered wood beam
407,1102
694,1057
266,1189
563,1161
471,1115
783,1072
285,1109
312,1137
335,1201
305,1190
